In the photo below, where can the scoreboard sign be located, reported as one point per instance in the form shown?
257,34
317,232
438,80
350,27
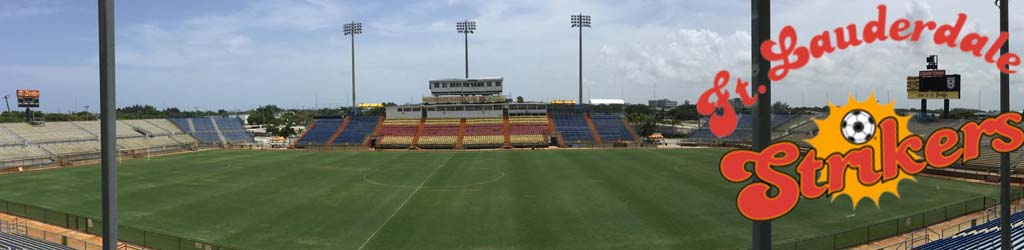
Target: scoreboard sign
28,98
933,84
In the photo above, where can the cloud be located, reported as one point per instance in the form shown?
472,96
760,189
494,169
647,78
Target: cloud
10,9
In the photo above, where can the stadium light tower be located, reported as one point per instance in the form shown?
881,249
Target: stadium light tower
352,29
580,21
466,27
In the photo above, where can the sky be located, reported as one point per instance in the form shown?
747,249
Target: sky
237,55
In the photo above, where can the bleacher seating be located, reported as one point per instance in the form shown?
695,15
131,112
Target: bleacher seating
19,153
439,133
9,138
205,130
93,128
147,127
85,147
611,128
398,133
484,133
22,242
358,128
322,130
51,132
528,131
984,236
744,127
572,126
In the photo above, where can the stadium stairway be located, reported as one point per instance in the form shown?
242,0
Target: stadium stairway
505,129
304,132
558,136
632,131
376,131
419,132
216,127
462,133
593,129
344,123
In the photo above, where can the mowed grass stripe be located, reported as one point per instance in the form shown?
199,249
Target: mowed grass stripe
549,200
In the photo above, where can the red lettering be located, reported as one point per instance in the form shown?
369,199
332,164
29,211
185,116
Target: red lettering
895,154
939,143
754,201
821,44
875,30
841,40
919,26
808,171
974,43
787,49
722,117
1007,60
897,29
947,34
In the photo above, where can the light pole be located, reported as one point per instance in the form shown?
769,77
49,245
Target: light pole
580,21
466,27
1004,106
352,29
108,125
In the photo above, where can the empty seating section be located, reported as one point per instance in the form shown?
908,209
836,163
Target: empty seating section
18,152
143,142
322,130
484,133
145,126
357,130
203,124
9,138
165,124
229,124
75,148
527,131
611,127
22,242
572,126
398,133
744,127
439,133
123,129
52,132
982,237
181,123
204,129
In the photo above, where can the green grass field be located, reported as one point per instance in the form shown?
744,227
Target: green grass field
568,199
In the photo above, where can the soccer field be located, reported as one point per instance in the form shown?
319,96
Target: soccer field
545,199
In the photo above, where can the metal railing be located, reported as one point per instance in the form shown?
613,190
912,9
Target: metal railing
889,228
141,237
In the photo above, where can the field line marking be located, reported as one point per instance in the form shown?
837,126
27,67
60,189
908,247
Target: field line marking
443,163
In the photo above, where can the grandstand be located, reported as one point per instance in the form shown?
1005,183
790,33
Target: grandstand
320,131
398,133
438,133
483,133
214,130
529,130
984,236
25,145
613,127
573,127
357,130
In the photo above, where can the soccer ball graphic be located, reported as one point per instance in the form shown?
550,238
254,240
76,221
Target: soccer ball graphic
858,126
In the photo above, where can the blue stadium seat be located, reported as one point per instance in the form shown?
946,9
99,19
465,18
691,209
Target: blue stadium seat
322,130
984,236
611,127
573,127
357,130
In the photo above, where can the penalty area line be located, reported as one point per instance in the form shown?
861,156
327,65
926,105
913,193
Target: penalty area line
443,163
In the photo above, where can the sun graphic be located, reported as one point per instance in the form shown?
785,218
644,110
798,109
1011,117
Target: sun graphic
831,139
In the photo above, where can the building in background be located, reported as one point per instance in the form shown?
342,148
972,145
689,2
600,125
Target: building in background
662,103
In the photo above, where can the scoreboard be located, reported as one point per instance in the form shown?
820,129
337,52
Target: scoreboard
28,98
933,84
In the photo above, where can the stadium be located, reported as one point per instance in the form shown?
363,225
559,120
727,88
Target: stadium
466,166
